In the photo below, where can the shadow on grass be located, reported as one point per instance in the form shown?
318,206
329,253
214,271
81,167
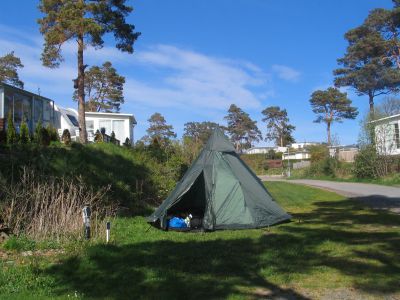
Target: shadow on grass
342,236
168,270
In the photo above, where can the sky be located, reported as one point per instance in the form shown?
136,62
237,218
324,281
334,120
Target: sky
197,57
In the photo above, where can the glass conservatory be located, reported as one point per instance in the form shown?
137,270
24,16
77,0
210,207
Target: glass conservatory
24,105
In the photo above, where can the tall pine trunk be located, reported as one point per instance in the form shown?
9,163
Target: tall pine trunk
81,92
371,103
328,130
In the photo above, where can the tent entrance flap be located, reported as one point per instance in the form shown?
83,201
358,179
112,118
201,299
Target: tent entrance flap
193,201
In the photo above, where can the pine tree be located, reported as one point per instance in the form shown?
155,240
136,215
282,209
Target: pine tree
242,129
86,22
332,106
24,137
11,133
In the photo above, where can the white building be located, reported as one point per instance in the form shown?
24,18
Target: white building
265,150
387,136
121,124
303,145
303,155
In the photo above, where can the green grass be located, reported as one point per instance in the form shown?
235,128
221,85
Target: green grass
391,180
332,244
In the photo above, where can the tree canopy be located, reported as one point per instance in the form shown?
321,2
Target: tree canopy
9,65
331,106
199,131
242,129
159,131
279,129
363,67
103,88
86,22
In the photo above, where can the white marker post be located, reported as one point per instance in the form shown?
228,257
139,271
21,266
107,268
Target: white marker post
108,227
86,212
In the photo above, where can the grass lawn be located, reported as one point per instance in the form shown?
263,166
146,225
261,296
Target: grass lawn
333,248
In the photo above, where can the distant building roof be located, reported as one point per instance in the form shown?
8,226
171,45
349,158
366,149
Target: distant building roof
386,118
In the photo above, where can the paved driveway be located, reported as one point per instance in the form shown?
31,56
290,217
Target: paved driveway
377,196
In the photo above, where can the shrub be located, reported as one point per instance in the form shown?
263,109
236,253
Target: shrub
127,143
53,133
365,162
66,137
318,153
112,138
11,133
37,135
24,137
98,137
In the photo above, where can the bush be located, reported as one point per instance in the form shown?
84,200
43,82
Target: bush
127,143
11,133
24,137
112,138
53,133
98,137
66,137
365,163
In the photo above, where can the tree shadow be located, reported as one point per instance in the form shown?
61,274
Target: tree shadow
365,252
169,270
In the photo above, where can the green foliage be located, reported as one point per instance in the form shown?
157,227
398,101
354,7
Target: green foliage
318,152
98,137
279,129
138,177
199,132
242,129
332,106
20,243
84,22
363,66
53,133
24,137
9,65
63,21
112,138
127,143
66,137
159,132
41,135
12,137
365,163
104,89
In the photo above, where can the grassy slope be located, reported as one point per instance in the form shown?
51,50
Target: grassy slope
336,244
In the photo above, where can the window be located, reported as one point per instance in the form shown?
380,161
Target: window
119,130
47,108
38,108
89,125
106,124
397,135
73,120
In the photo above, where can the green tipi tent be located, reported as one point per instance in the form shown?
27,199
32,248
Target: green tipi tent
221,189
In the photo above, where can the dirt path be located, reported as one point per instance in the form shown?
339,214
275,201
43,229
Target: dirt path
374,195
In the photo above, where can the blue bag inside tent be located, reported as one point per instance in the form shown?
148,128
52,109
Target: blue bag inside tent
176,222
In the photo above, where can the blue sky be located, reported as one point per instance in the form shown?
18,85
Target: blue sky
195,58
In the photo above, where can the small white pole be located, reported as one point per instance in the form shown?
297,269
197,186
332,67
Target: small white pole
108,227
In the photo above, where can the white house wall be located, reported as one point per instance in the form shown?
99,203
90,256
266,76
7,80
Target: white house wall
385,137
128,126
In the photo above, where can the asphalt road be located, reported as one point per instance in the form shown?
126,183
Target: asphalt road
376,196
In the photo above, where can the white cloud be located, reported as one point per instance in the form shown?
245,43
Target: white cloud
286,73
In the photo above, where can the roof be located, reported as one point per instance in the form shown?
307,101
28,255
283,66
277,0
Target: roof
89,113
23,91
386,118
